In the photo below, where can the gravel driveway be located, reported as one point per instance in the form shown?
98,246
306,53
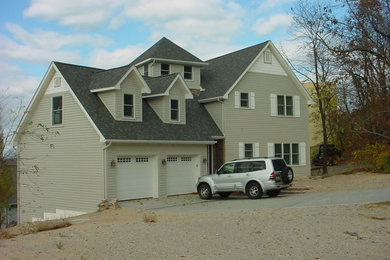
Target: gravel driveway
324,232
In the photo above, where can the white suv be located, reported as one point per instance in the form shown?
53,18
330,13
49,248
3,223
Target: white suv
251,176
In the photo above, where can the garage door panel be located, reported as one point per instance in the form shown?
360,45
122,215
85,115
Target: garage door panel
134,177
182,174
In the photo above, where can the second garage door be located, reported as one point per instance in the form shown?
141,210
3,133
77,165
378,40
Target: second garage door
182,174
135,177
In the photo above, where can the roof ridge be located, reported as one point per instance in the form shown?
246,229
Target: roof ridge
237,51
75,65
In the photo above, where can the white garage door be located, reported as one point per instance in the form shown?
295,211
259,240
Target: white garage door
183,173
135,177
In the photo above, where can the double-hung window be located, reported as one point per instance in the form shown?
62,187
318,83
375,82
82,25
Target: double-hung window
248,150
289,152
128,105
57,110
164,69
244,99
285,105
188,72
174,110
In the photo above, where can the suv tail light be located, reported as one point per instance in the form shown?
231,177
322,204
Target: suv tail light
272,176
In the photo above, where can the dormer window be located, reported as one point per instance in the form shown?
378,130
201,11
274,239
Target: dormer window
164,69
146,70
128,105
188,72
174,110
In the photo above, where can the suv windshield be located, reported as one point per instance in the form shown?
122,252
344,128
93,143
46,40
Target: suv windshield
279,164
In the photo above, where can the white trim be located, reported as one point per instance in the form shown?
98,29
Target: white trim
252,100
274,105
193,63
271,149
296,106
237,99
159,141
37,93
256,150
241,150
302,154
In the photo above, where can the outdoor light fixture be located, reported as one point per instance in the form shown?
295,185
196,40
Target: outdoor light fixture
163,162
113,163
204,160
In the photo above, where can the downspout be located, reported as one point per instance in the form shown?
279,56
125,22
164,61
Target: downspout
105,169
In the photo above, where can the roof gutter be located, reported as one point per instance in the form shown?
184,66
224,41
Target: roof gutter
213,99
158,141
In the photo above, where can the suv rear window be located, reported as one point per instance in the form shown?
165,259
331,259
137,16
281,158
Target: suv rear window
279,164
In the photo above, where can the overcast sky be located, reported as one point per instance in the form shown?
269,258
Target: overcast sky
110,33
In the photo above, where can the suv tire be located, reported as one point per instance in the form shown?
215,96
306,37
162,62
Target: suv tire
287,175
254,190
204,191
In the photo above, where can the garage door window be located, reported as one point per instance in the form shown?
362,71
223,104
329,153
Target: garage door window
186,159
142,159
123,159
172,159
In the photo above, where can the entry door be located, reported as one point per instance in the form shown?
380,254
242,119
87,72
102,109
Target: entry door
135,177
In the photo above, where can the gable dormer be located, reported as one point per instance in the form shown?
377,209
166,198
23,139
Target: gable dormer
123,97
168,97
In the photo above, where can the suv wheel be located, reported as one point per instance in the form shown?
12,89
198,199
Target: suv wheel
287,175
204,191
254,191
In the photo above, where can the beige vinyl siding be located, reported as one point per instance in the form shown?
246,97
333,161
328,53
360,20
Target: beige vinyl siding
109,99
70,175
158,152
159,105
257,125
269,68
215,110
129,86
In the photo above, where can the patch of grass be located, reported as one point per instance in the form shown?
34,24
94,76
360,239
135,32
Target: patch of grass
59,245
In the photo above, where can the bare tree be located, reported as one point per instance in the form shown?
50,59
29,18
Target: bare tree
317,67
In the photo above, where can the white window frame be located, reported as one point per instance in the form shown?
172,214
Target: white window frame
170,110
241,150
61,110
301,152
295,105
124,105
251,100
186,73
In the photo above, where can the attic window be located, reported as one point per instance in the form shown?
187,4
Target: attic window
57,82
146,70
128,105
188,72
164,69
267,57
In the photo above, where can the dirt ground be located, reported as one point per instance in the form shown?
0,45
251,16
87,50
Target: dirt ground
339,232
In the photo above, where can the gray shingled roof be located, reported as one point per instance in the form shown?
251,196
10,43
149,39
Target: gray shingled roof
199,124
165,49
223,71
107,78
158,85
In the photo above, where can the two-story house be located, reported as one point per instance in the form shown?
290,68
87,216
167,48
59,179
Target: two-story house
151,128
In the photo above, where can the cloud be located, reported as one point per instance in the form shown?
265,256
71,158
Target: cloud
43,46
263,27
105,59
85,14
